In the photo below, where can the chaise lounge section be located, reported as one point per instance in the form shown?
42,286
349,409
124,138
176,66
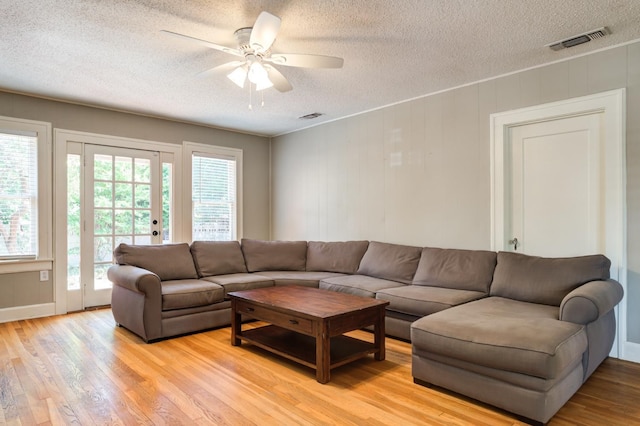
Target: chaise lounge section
518,332
529,346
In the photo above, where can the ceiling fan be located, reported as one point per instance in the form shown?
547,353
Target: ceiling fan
257,63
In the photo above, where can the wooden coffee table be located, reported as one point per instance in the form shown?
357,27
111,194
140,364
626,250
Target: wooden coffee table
307,325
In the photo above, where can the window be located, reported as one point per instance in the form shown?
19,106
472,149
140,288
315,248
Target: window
215,210
25,177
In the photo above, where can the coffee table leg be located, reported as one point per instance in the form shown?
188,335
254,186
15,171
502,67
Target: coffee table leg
236,324
323,355
378,337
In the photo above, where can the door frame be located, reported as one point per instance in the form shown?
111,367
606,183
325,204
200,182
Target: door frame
66,301
612,105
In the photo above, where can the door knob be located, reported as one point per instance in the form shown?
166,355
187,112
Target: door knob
155,233
515,243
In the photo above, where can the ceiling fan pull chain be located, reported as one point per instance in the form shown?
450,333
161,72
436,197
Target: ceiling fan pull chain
250,106
262,95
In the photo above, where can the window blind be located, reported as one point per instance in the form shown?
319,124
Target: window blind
213,197
18,195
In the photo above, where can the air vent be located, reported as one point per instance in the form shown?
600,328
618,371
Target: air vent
579,39
311,116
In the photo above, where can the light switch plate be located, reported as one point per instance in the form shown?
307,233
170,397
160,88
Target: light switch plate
44,275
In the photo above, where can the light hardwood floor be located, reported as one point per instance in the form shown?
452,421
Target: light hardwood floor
82,369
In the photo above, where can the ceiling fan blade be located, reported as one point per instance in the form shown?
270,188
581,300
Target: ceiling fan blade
279,81
208,44
264,31
220,69
305,61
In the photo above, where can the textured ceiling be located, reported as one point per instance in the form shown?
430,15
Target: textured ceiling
112,54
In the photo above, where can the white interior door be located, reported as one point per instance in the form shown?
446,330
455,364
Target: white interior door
122,205
554,178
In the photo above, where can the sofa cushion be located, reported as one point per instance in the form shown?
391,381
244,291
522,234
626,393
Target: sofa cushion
167,261
180,294
418,300
218,257
361,285
390,261
504,334
335,256
238,282
303,278
545,280
459,269
260,255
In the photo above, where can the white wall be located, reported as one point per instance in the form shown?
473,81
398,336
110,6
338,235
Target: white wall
418,172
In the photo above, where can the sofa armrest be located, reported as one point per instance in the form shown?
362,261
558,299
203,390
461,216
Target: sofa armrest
590,301
134,279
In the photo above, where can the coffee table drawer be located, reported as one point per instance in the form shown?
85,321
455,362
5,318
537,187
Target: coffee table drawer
288,321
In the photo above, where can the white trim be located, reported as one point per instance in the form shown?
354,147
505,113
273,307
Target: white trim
25,312
31,265
612,104
631,351
219,151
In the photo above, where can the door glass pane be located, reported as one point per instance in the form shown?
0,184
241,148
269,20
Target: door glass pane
127,239
103,221
100,280
124,169
167,190
73,222
142,239
124,195
103,249
143,196
124,222
102,167
102,194
142,222
143,170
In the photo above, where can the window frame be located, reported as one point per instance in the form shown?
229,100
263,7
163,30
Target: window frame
43,259
226,153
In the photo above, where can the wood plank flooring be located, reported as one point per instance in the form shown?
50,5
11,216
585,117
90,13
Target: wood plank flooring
82,369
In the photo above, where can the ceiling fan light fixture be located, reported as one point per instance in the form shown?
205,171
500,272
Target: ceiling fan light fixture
258,74
238,76
264,84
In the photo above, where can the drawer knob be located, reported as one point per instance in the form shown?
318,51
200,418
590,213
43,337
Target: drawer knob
293,321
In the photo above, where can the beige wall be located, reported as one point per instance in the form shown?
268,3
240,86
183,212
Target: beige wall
418,172
26,289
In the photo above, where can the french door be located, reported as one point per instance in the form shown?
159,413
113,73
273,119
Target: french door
122,204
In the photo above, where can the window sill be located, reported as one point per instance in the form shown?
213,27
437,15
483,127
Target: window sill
30,265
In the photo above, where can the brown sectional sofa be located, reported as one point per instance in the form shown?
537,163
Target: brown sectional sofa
515,331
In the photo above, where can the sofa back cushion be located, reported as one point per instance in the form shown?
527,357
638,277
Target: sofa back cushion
545,280
390,261
218,257
456,269
260,255
167,261
335,256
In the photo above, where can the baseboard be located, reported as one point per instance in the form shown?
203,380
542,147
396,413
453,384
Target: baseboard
26,312
631,352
